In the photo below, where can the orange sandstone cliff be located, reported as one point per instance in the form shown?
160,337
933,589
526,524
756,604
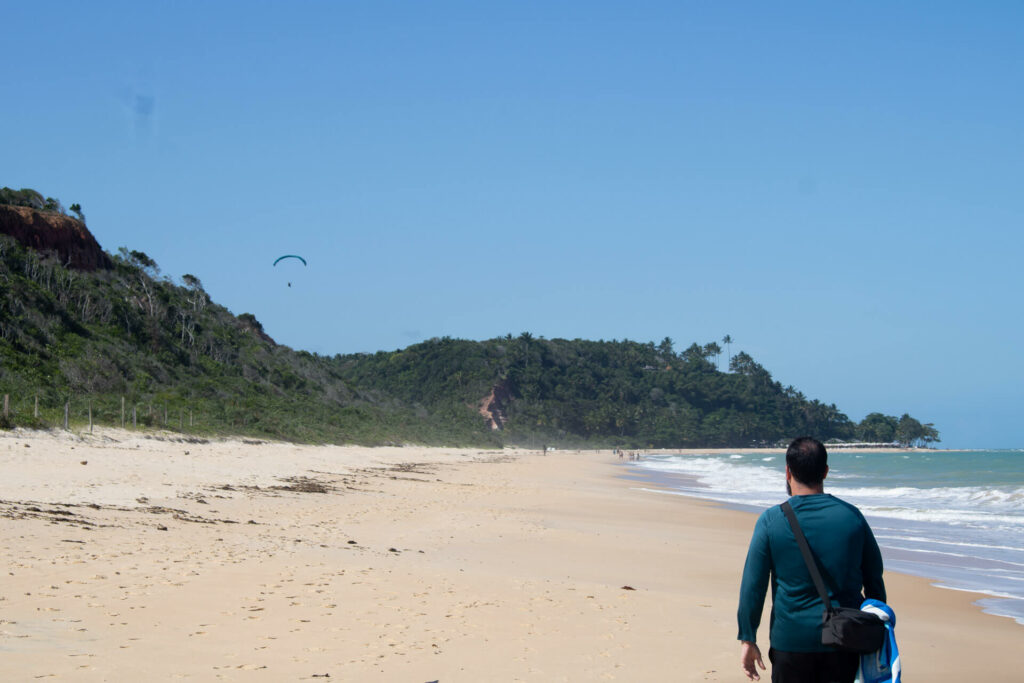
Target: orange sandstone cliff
63,235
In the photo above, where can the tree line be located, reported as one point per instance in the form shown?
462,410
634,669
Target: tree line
628,393
34,200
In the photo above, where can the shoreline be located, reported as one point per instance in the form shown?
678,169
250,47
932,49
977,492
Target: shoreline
661,482
782,451
281,562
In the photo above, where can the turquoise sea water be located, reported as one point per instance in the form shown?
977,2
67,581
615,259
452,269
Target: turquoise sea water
954,516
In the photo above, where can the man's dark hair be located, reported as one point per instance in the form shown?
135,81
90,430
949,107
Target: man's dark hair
807,460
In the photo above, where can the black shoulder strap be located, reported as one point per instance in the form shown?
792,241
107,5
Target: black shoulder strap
805,550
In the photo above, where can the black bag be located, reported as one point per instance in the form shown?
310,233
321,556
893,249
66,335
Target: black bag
852,630
845,628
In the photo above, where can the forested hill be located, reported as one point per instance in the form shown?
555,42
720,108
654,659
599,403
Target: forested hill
91,340
614,392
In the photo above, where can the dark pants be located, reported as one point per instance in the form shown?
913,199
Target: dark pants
813,667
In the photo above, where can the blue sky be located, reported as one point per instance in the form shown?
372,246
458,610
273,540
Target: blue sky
836,186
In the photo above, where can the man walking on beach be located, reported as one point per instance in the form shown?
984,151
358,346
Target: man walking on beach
849,560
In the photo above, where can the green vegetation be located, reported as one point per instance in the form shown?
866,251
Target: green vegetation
34,200
608,392
906,430
91,340
77,210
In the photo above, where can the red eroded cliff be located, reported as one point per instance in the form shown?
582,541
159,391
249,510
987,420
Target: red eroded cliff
493,406
53,232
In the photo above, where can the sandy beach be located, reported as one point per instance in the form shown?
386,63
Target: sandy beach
144,557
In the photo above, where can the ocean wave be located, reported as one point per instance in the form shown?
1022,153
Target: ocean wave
1013,609
983,591
959,499
933,551
926,539
981,519
729,477
719,474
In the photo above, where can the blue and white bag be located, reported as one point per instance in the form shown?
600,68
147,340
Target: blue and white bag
882,666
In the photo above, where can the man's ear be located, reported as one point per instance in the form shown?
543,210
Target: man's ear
826,473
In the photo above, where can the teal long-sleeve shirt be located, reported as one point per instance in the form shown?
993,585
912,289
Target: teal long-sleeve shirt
847,553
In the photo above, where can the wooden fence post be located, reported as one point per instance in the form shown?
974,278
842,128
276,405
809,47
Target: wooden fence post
135,421
67,409
189,417
7,406
122,412
90,416
35,413
165,415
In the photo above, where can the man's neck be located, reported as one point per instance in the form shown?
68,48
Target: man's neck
799,489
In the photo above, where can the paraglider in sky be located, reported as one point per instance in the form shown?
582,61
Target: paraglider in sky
295,256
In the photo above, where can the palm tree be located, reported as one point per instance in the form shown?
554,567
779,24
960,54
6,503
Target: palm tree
727,340
713,349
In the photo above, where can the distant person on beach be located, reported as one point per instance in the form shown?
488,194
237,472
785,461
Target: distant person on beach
849,559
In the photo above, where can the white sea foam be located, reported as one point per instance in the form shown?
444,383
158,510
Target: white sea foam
962,518
998,608
945,553
968,537
925,539
728,477
967,497
993,594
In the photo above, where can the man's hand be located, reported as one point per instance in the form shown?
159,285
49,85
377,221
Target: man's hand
749,654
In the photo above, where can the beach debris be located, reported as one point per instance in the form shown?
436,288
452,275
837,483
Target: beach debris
16,510
393,550
186,517
353,542
84,462
413,467
161,527
303,485
628,588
